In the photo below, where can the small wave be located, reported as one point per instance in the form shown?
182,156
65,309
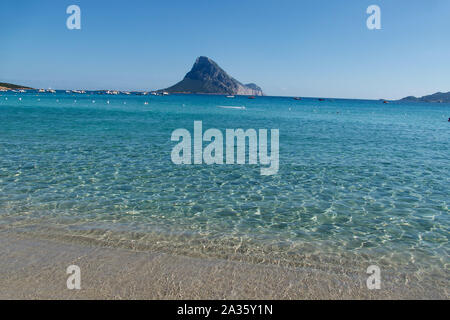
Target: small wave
232,107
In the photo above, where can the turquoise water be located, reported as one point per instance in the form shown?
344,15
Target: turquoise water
358,180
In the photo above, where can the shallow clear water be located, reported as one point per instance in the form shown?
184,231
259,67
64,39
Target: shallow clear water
357,179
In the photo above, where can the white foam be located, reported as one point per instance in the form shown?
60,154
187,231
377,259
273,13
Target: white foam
232,107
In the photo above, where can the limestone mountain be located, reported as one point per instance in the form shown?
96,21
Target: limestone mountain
207,77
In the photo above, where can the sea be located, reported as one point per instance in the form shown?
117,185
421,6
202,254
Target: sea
360,182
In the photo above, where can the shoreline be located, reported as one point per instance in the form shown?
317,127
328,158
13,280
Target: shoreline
34,268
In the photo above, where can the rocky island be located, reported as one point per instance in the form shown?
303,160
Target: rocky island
206,77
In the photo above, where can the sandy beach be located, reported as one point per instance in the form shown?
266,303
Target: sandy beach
36,269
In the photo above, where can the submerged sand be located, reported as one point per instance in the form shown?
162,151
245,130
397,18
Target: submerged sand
36,269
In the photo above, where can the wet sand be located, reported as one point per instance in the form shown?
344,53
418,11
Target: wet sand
36,269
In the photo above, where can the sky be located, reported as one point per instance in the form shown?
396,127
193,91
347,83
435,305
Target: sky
319,48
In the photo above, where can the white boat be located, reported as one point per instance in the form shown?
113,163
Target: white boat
230,96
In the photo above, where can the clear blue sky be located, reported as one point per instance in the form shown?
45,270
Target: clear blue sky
296,48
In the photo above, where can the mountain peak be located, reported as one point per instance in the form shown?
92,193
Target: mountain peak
205,68
204,59
207,77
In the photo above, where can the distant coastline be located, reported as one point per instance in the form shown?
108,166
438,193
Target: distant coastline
9,86
438,97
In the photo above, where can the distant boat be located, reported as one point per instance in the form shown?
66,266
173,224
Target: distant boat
385,101
321,99
252,97
165,93
297,98
230,96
